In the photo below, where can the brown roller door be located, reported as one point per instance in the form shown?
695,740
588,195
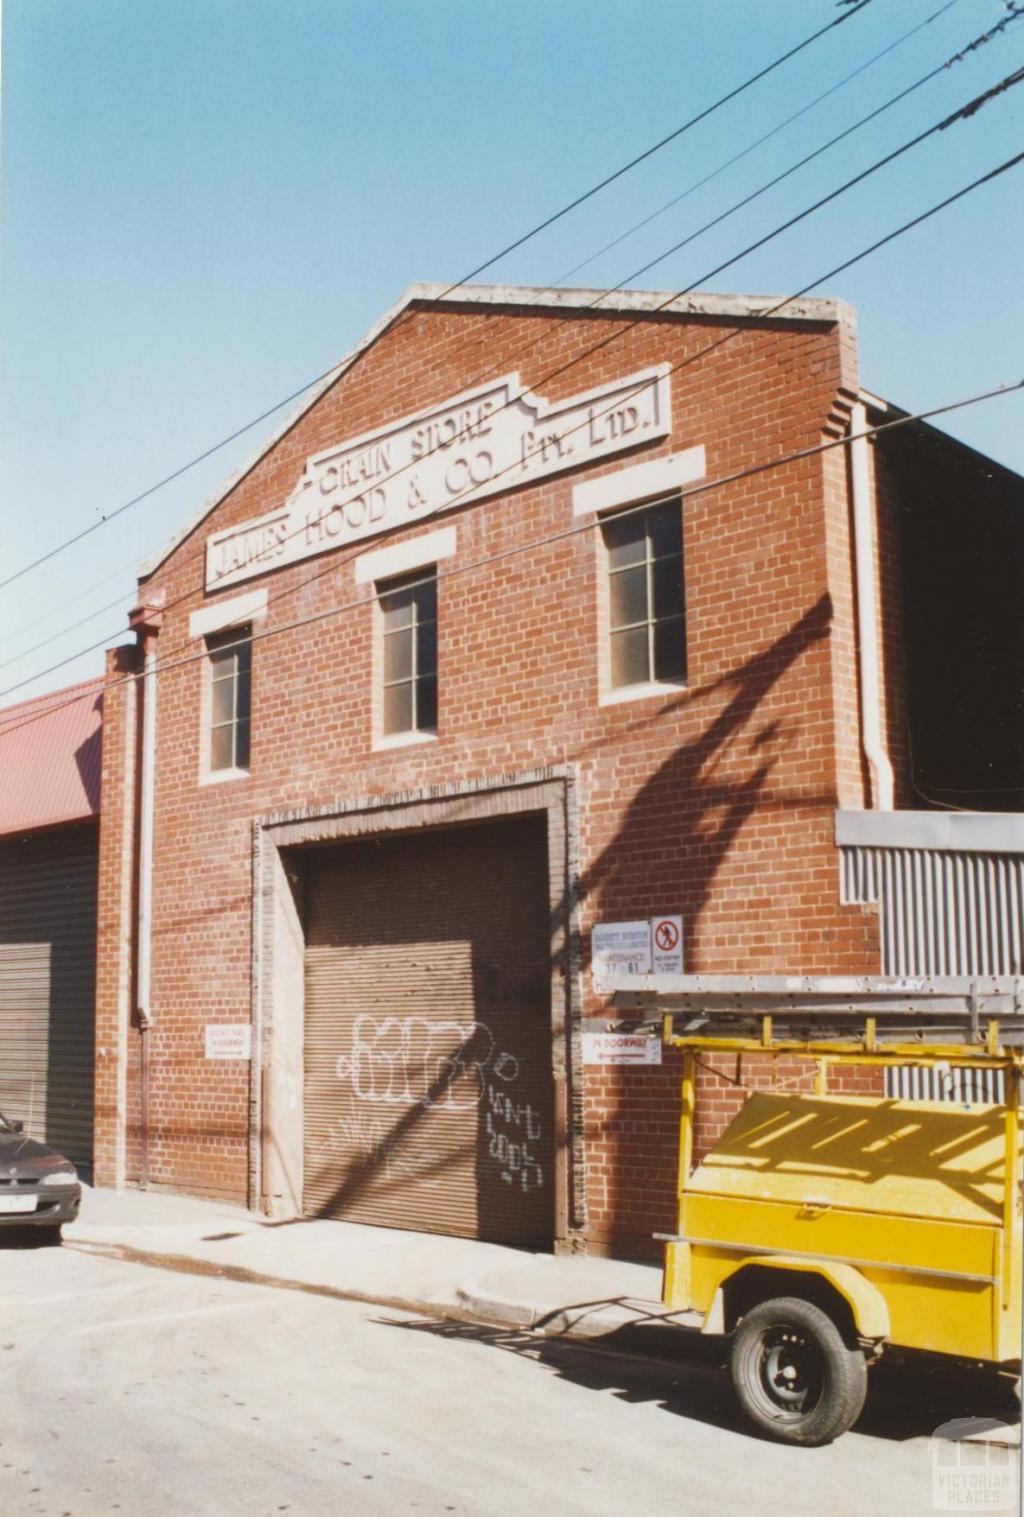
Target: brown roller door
428,1092
47,985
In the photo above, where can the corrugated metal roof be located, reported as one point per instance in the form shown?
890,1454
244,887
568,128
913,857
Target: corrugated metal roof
50,751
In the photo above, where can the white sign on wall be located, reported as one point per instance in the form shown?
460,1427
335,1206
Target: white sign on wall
621,1048
228,1040
619,948
477,444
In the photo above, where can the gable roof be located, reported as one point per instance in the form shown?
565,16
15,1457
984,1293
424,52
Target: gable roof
628,302
50,753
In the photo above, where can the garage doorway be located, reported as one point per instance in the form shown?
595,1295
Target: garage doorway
428,1089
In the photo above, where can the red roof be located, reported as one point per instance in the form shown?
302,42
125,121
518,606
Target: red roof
50,750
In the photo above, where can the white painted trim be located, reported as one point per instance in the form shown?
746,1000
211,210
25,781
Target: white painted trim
220,776
228,613
735,307
628,486
402,558
403,740
641,693
940,831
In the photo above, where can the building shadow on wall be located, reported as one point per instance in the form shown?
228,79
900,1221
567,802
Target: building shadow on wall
685,819
678,829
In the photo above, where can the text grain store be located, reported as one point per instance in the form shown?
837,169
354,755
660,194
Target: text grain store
507,636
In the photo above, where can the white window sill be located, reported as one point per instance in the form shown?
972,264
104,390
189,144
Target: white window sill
403,740
651,691
221,776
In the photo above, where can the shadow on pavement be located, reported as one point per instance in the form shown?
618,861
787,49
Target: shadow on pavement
687,1374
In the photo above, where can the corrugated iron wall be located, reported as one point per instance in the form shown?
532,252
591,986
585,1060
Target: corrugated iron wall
906,1083
941,912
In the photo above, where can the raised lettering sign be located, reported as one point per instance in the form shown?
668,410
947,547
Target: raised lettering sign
478,444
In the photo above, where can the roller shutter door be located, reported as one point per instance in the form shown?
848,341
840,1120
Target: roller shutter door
47,985
428,1088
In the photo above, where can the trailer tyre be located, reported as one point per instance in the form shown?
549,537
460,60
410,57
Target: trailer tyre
796,1377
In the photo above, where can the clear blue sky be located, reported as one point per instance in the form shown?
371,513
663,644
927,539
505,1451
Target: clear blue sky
206,202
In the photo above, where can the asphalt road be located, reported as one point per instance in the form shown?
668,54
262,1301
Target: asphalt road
158,1394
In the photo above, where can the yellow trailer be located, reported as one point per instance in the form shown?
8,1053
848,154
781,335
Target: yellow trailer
824,1228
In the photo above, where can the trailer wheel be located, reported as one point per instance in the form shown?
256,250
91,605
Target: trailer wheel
795,1376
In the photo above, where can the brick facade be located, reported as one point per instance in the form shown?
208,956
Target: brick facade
716,801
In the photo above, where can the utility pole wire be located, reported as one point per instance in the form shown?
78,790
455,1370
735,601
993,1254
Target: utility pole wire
786,300
687,491
512,246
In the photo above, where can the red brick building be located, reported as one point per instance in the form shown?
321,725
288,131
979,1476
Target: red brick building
507,633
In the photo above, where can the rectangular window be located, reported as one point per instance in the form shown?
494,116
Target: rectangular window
409,636
646,610
230,678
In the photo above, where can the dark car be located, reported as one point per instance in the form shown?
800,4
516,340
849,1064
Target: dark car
38,1186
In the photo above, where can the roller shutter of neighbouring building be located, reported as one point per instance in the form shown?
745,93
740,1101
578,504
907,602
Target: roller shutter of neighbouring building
47,985
428,1084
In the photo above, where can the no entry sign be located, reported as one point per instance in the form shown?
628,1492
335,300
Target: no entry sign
667,945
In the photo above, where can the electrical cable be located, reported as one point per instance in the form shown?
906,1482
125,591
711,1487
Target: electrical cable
752,146
323,377
839,268
575,530
968,109
1015,13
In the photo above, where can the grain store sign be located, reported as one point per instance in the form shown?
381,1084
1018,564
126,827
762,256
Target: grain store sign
477,444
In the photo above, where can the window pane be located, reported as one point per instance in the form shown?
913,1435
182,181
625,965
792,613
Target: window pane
221,755
242,696
625,540
398,656
398,708
397,609
670,650
426,704
665,526
629,657
223,708
425,596
628,596
242,745
426,648
668,587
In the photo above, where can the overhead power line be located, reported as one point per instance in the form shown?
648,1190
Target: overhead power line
968,109
752,147
854,9
1014,12
687,492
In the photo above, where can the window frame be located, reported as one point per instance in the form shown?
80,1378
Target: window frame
219,646
420,675
609,692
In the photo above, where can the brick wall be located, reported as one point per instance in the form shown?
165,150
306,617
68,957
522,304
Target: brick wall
717,802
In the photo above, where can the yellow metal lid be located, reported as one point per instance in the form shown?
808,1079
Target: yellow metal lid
923,1159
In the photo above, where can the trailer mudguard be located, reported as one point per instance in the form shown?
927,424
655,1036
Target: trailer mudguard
865,1300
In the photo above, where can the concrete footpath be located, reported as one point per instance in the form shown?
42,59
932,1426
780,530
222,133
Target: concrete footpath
484,1282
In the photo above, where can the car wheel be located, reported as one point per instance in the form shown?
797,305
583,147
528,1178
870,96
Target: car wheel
50,1237
796,1377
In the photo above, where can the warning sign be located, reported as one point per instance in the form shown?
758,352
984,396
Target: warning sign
667,945
619,950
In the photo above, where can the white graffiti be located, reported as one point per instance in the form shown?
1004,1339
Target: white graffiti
383,1147
442,1065
511,1128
